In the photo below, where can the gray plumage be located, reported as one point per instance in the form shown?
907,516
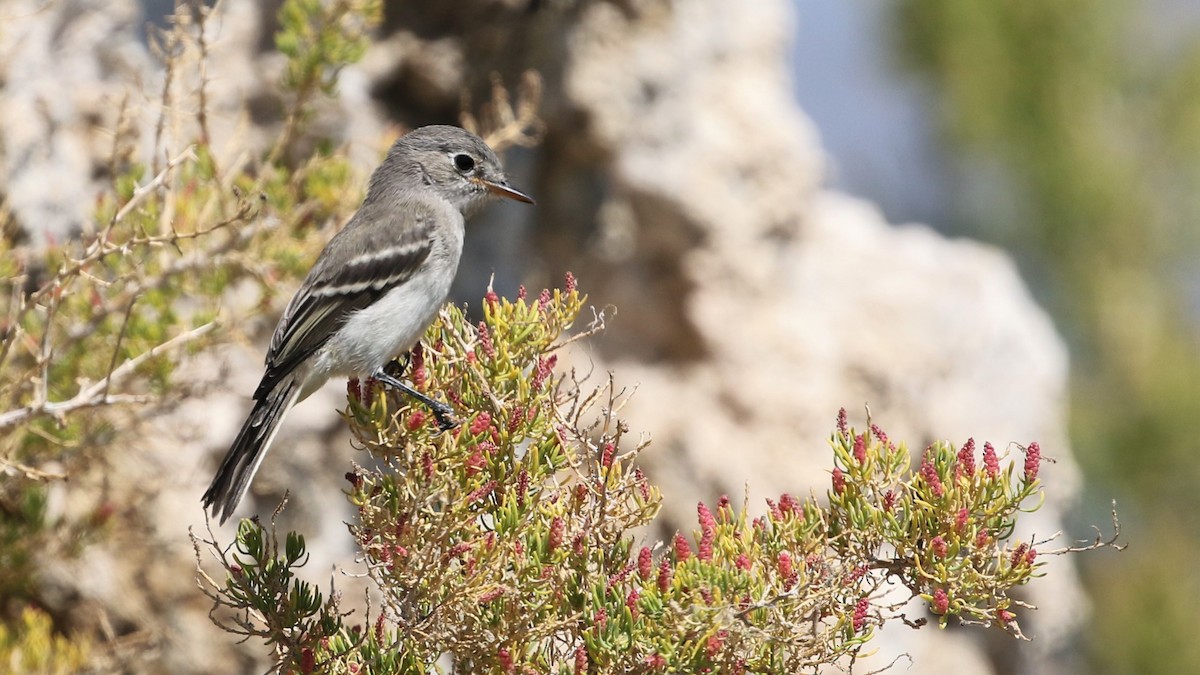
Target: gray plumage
374,289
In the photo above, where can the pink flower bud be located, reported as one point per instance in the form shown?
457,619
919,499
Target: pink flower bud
991,463
839,481
966,460
860,614
683,550
940,549
941,602
1033,461
645,563
930,475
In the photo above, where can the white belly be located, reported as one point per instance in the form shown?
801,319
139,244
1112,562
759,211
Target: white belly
375,335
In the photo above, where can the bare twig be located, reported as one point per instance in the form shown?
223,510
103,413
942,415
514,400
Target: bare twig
96,394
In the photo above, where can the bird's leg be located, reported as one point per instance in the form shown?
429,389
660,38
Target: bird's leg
443,413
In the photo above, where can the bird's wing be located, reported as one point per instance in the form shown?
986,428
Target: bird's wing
377,259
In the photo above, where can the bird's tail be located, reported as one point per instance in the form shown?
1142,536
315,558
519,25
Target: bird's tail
249,448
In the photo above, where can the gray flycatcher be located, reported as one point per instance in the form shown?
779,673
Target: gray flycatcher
373,291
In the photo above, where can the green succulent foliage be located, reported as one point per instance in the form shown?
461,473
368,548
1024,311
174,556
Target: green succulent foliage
508,541
31,645
319,37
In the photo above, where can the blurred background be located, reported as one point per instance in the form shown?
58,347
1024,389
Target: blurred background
976,218
1069,133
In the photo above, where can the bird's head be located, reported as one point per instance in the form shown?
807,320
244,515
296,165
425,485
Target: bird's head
453,162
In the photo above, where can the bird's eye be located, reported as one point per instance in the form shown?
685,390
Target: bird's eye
464,163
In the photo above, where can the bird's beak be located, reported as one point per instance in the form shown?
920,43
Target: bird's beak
503,190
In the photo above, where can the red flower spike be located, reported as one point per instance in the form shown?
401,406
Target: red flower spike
417,366
930,474
857,574
961,520
569,283
600,618
941,602
481,423
743,562
642,485
860,614
966,460
1031,556
522,487
881,436
485,341
415,419
475,463
991,463
606,457
491,595
620,577
774,510
542,372
557,527
783,565
705,518
940,549
521,292
843,423
1033,461
889,501
683,550
713,646
706,595
308,660
481,493
788,504
655,662
645,563
379,632
504,658
1005,616
491,298
427,465
839,481
1018,555
631,602
724,508
544,299
577,545
581,654
516,418
664,575
982,539
860,448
